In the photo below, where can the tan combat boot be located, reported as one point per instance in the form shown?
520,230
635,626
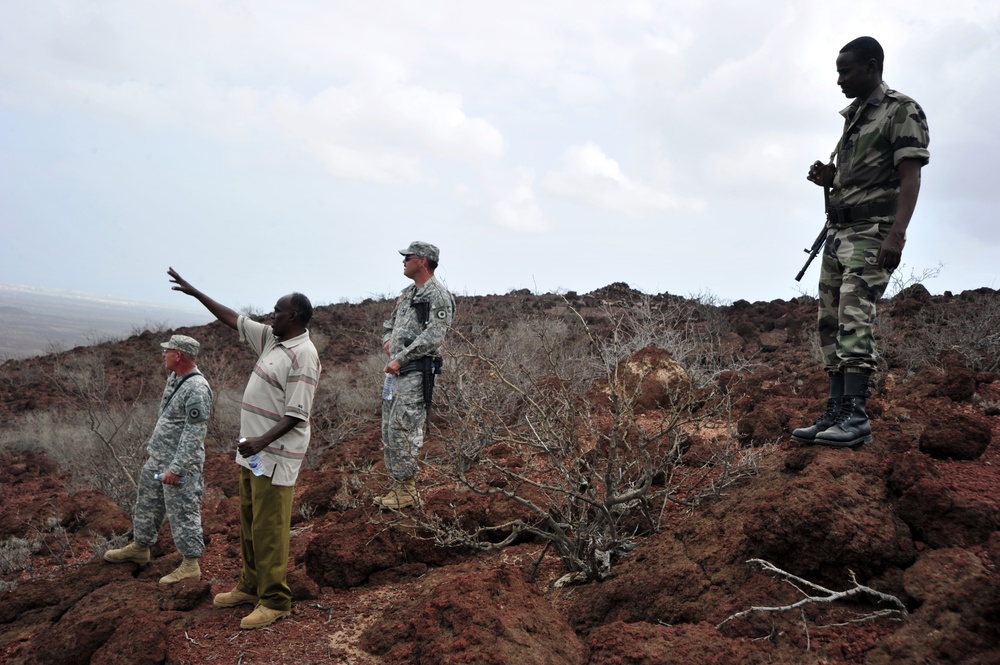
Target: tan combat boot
131,553
262,616
234,598
388,495
402,495
188,570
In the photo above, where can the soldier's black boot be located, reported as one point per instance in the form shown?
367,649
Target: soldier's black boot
807,435
852,427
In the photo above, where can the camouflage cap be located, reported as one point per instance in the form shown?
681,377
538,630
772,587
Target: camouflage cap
186,345
424,249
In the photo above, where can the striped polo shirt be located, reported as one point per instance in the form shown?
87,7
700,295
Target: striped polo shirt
283,383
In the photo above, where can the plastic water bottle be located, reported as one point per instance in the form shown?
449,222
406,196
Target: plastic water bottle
159,476
388,386
255,463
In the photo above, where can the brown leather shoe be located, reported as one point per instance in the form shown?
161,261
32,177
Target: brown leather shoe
234,598
262,616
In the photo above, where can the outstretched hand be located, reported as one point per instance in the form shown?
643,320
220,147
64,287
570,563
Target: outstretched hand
181,284
221,312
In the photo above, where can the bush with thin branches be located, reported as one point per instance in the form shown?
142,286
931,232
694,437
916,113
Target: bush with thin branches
551,414
965,326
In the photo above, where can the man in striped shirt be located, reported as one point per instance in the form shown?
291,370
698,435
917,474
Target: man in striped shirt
274,425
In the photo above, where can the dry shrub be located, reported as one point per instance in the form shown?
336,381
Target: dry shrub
346,403
100,437
545,414
15,555
931,332
68,438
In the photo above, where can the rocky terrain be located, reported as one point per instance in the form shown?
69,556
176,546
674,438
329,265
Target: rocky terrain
913,516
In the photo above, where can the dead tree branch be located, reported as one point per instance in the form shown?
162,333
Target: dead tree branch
816,594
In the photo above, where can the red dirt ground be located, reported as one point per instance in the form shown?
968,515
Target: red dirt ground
899,513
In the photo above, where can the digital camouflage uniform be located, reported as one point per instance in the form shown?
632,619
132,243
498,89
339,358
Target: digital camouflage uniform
880,132
178,445
403,416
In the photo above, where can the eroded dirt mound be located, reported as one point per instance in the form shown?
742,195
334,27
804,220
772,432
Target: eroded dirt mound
94,613
827,510
958,617
474,614
643,643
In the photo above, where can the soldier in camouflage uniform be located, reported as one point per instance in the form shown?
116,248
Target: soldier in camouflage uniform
874,179
176,454
413,336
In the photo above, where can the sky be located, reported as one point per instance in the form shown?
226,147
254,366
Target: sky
264,147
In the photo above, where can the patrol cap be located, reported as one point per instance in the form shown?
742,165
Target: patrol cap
424,249
186,345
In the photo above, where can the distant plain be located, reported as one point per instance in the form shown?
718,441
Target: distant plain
35,322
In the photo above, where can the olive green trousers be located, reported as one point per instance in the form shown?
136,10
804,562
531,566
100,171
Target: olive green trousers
265,525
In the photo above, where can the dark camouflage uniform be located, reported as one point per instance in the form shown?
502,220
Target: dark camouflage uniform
878,133
404,415
178,445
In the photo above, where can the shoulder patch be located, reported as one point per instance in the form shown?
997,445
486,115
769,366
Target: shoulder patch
442,314
194,414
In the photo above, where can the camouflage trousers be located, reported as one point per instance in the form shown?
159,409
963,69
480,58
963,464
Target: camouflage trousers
849,286
180,504
403,419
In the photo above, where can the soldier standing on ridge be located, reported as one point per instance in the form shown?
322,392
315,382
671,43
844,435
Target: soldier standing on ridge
177,455
874,183
274,424
413,336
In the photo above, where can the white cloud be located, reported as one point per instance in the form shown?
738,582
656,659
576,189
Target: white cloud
333,85
590,176
518,210
381,133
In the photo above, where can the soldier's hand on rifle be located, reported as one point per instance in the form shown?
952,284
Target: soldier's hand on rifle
820,173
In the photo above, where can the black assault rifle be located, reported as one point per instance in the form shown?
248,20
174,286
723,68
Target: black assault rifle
821,238
429,365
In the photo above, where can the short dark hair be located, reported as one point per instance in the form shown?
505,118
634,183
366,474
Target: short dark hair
302,307
432,265
865,49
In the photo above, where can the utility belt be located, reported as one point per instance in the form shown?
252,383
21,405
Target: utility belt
849,215
428,366
432,364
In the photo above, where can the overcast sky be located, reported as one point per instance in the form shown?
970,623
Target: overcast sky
261,147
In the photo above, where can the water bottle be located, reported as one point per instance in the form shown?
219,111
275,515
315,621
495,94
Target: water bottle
159,476
255,463
388,386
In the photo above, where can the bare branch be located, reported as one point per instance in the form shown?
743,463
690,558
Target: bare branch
824,596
